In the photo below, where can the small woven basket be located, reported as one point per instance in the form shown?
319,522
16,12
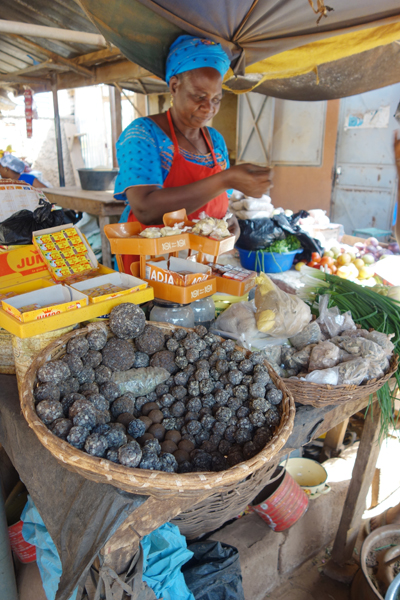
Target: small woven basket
318,394
141,481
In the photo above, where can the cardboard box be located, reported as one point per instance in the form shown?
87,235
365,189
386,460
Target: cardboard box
22,264
24,288
54,248
180,272
51,301
128,282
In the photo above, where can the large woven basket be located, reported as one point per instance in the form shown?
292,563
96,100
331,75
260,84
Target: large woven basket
142,481
317,395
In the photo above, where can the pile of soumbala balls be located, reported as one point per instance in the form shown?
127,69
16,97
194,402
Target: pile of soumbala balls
174,401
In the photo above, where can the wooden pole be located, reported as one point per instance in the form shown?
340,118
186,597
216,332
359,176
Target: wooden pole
57,126
116,121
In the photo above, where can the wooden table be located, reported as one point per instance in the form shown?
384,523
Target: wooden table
100,204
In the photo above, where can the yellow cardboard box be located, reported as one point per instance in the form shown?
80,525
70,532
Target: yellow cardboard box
130,283
52,301
22,264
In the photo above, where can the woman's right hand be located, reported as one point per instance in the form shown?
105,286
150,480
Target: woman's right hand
251,180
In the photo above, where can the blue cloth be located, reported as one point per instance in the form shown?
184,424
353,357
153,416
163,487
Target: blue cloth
145,154
164,553
34,531
188,53
12,162
27,177
394,219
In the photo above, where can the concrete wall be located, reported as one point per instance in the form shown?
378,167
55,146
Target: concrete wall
309,187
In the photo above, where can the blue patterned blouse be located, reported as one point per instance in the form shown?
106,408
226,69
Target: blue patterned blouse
145,155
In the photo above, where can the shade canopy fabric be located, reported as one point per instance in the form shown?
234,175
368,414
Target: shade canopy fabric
295,49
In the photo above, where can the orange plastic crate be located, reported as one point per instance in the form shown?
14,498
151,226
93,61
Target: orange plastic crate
184,295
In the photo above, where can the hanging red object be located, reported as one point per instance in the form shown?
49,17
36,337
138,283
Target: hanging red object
28,97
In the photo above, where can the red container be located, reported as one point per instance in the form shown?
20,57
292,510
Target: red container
281,503
25,552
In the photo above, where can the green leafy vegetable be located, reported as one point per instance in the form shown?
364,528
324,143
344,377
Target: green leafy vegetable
289,244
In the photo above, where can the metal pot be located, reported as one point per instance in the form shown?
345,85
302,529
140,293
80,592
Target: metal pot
362,587
97,180
393,592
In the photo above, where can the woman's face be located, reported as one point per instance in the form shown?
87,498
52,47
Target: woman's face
197,96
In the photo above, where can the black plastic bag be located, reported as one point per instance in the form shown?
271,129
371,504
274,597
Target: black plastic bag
18,228
214,573
257,234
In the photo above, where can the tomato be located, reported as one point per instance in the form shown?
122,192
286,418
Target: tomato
315,257
327,260
313,264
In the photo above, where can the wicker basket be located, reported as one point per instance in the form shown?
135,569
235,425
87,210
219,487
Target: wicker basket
217,509
318,394
141,481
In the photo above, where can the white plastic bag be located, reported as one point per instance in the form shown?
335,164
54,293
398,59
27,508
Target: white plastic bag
279,314
331,321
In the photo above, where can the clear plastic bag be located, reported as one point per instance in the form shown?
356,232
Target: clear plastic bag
362,347
140,381
324,376
311,334
324,356
331,321
382,340
302,357
353,372
277,313
377,369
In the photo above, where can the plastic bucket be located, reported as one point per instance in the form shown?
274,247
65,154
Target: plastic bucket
268,262
25,552
281,503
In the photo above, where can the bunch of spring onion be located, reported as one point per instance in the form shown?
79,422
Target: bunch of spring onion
370,310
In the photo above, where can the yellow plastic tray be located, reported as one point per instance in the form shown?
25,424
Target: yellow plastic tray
26,330
182,295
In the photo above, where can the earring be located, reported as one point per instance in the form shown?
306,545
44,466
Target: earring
172,101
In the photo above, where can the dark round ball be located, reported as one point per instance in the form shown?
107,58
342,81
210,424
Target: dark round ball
173,435
148,407
99,401
162,389
118,355
181,361
130,454
123,404
125,419
156,416
242,412
136,428
127,321
110,391
115,436
224,447
193,388
164,359
179,392
274,396
112,455
96,445
235,377
61,427
77,436
140,402
172,344
102,374
87,417
223,414
152,446
186,445
169,446
87,375
78,346
68,386
74,363
158,431
53,371
151,462
147,421
47,391
169,463
181,378
241,392
141,360
49,410
193,427
145,437
179,334
221,366
89,388
151,340
181,456
97,339
262,377
234,403
178,409
92,359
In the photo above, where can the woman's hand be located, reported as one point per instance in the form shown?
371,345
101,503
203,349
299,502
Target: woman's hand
249,179
233,226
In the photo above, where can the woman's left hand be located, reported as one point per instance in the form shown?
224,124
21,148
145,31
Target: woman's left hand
233,226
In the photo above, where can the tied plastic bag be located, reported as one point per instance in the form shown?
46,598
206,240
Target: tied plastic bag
353,372
279,314
311,334
18,228
140,382
361,347
325,376
324,356
331,321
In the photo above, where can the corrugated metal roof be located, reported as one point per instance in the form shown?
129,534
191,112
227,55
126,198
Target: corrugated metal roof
74,64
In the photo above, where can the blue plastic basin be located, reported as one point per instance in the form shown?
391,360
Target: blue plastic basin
269,262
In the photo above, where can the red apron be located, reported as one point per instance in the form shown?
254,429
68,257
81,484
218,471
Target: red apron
183,172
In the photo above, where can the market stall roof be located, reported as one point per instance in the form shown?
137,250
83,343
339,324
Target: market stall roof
297,49
46,41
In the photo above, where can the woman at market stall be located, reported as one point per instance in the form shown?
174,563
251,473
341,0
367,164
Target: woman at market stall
12,167
171,160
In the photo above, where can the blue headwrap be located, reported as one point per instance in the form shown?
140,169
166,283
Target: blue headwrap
188,53
13,163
